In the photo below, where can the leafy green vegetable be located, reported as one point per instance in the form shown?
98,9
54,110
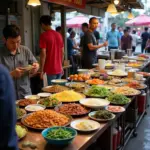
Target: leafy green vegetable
49,102
118,99
102,114
59,134
97,91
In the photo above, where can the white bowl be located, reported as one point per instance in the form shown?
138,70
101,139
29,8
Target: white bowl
34,97
34,107
44,94
59,81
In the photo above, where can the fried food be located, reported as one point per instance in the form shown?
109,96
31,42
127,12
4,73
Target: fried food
46,118
25,102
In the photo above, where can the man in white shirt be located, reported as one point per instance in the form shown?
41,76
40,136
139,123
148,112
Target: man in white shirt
134,40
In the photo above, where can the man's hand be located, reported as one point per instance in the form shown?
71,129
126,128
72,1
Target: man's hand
105,43
35,68
17,73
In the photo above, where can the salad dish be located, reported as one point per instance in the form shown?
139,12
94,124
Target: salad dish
101,115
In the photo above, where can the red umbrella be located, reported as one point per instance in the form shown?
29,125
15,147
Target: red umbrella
141,20
77,21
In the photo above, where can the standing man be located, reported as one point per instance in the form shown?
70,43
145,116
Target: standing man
113,38
90,45
120,32
8,137
145,36
134,40
52,50
16,58
126,41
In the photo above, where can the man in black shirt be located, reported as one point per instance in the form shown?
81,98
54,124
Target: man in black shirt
145,35
90,45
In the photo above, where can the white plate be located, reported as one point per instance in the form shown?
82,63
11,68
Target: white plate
95,125
122,75
34,97
59,81
95,65
34,107
94,102
44,94
102,120
122,109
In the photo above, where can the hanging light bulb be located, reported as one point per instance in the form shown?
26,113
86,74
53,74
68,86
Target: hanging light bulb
111,8
116,2
130,15
34,2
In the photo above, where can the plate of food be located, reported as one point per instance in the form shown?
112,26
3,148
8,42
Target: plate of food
118,73
25,102
59,81
20,113
68,96
79,77
109,66
95,75
72,109
97,92
32,97
85,125
34,107
135,64
115,109
145,74
27,68
21,131
95,81
144,56
118,99
136,85
125,90
43,119
94,103
115,82
76,85
54,88
101,115
49,102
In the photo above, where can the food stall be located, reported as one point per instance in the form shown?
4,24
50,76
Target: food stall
103,108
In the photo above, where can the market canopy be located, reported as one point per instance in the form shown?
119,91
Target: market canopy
77,21
142,20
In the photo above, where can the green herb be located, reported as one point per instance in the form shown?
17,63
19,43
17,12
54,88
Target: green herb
102,114
59,134
118,99
49,102
98,91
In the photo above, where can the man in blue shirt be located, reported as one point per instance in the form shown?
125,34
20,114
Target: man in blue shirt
113,38
8,137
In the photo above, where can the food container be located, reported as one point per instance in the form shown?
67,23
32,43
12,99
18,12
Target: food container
83,71
131,74
121,66
141,100
59,141
59,81
101,63
114,142
139,77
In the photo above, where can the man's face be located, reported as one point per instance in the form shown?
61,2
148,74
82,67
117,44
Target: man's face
94,24
84,29
113,26
12,44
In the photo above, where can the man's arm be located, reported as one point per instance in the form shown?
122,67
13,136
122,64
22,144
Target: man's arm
94,47
42,59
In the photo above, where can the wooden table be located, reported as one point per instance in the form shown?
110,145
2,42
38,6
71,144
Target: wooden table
81,142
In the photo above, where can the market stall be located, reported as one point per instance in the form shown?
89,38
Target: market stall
124,107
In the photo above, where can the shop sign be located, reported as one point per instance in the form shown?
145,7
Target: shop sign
71,3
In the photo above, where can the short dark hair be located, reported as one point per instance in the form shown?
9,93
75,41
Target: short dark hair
113,24
58,28
11,31
146,28
92,19
85,25
46,20
125,30
69,30
128,28
72,32
134,31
